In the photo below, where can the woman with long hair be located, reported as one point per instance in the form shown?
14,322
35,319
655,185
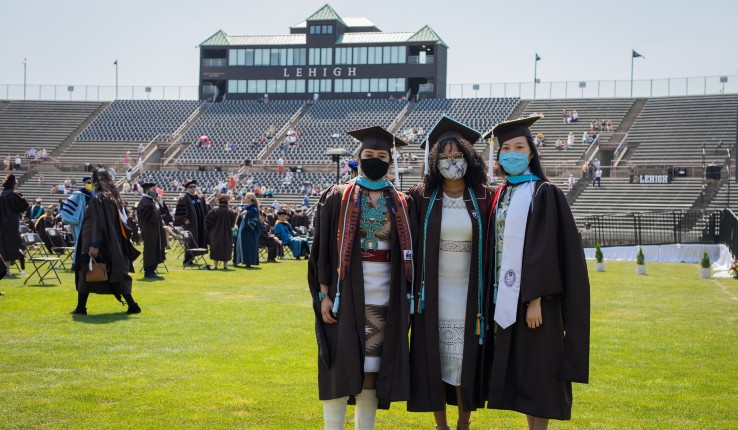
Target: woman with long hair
105,238
539,286
249,230
450,209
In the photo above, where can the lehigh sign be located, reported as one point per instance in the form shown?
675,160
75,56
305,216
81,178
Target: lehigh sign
318,72
650,179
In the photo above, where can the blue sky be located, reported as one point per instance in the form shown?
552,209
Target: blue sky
76,41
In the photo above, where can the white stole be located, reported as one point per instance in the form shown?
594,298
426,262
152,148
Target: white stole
513,242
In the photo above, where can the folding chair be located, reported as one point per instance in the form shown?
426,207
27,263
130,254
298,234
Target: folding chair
198,254
263,254
59,247
38,258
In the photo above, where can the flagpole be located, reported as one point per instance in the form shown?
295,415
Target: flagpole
535,76
25,64
632,58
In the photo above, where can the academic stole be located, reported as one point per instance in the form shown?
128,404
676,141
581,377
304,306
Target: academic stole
349,215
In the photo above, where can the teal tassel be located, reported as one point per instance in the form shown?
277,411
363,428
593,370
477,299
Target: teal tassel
481,332
336,302
411,297
422,299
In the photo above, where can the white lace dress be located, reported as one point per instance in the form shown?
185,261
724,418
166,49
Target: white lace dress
454,259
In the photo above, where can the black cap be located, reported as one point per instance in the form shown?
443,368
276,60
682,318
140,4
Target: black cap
147,185
449,128
376,138
283,212
9,181
507,130
86,178
189,182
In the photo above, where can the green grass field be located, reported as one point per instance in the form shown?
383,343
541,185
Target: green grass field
236,349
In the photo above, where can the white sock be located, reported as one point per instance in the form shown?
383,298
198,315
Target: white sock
334,413
366,409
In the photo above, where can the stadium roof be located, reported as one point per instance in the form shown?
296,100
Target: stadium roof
326,13
349,21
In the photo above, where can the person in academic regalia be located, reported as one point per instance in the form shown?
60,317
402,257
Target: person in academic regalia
219,232
269,240
289,236
249,230
190,213
73,210
360,273
299,219
106,238
450,209
12,206
42,223
540,286
35,211
152,231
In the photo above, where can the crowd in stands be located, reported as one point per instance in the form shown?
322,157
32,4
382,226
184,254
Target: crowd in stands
604,125
570,116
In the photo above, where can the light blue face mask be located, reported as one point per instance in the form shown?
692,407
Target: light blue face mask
514,163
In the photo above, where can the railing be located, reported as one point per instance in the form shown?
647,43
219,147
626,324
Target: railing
416,59
592,150
214,62
620,150
425,88
649,228
95,93
667,87
728,229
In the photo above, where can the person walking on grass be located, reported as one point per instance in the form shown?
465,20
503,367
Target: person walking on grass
105,237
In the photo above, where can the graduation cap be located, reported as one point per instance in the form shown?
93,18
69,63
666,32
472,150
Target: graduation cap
38,200
507,130
147,185
376,138
447,128
283,212
9,181
86,178
189,182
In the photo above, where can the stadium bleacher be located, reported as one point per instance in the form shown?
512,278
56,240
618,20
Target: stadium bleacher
138,120
326,123
41,125
241,122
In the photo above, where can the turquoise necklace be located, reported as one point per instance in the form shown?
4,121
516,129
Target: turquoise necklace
371,221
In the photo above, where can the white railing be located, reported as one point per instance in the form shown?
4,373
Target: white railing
214,62
592,150
620,150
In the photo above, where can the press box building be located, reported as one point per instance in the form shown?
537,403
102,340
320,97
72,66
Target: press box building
329,55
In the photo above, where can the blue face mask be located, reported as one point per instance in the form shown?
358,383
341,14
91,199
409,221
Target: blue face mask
514,163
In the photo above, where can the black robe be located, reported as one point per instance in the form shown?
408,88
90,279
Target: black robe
219,225
103,229
152,232
195,213
341,346
427,387
532,369
12,205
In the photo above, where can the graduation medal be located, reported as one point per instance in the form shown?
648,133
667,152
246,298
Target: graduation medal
371,221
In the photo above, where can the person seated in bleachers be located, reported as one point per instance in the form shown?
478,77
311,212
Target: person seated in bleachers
542,138
574,116
570,141
126,187
566,116
269,240
559,145
609,125
585,137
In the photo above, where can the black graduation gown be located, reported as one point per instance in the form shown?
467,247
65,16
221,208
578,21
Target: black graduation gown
12,205
532,369
219,233
152,232
186,210
102,228
341,346
427,387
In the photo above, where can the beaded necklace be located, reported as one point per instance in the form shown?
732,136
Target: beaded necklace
371,221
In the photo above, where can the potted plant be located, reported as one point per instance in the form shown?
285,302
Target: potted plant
640,262
705,270
733,271
600,263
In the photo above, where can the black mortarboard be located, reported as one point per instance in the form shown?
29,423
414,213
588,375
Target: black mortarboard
376,138
9,181
448,128
189,182
283,212
147,185
86,178
507,130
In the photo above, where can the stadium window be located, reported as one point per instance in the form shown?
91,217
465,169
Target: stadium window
232,86
374,85
274,57
264,57
242,86
313,28
232,57
311,56
300,85
386,55
382,85
327,29
271,86
403,54
252,86
261,86
301,57
394,55
283,57
355,86
290,85
257,57
364,85
240,59
327,56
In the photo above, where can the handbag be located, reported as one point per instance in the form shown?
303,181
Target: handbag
97,272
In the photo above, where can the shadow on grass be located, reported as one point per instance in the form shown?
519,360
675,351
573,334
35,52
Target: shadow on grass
101,318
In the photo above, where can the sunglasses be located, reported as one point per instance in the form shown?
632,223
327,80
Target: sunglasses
192,186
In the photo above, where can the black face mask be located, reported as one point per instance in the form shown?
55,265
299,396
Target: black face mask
374,168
